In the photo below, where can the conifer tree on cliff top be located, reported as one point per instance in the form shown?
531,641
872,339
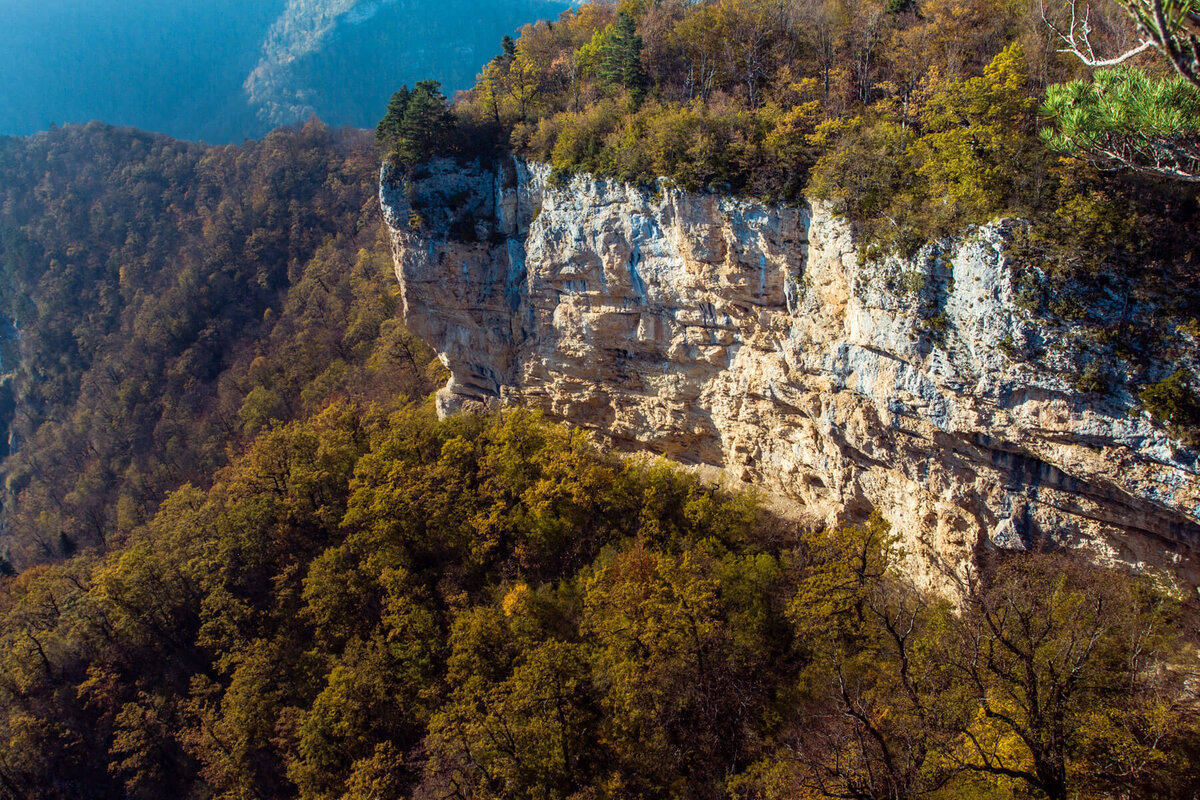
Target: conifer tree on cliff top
417,123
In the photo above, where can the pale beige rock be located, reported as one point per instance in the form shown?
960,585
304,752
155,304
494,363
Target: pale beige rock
729,334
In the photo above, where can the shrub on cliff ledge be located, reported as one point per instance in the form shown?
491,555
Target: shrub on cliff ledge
1173,402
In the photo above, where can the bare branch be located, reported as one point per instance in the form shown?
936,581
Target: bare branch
1162,25
1077,38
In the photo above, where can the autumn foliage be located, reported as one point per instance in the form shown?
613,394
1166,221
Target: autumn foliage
371,605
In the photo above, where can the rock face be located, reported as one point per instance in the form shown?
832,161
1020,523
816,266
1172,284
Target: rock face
747,337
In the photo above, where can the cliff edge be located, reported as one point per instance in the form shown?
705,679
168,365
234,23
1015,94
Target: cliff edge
749,337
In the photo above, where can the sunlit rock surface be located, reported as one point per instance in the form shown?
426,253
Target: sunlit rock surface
747,337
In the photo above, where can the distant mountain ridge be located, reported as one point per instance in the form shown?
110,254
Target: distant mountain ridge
372,48
222,71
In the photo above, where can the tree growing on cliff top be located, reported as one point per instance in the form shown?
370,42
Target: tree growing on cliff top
614,55
417,124
387,132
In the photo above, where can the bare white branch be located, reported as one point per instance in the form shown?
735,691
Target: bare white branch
1161,25
1077,39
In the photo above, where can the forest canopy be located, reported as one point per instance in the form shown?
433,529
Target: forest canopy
372,605
171,301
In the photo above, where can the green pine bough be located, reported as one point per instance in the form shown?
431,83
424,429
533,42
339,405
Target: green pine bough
1124,118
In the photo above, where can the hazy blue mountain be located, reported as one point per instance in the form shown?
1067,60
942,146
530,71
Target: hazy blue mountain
342,59
223,70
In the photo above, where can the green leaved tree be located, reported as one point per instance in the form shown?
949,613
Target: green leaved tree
614,56
417,124
1125,118
387,133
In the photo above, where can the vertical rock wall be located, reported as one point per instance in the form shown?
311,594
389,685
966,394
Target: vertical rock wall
747,337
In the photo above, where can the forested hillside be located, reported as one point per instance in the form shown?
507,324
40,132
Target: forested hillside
340,59
373,606
758,97
173,300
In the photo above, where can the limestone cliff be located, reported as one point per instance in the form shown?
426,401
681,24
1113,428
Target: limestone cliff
748,337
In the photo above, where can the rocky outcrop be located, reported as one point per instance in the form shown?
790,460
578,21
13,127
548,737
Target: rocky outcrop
748,337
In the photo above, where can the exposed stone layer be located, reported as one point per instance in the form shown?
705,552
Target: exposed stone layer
728,333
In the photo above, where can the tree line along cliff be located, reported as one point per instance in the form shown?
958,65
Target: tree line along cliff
914,121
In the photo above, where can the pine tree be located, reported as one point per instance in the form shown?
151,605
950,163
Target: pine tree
425,125
387,133
621,62
1126,118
